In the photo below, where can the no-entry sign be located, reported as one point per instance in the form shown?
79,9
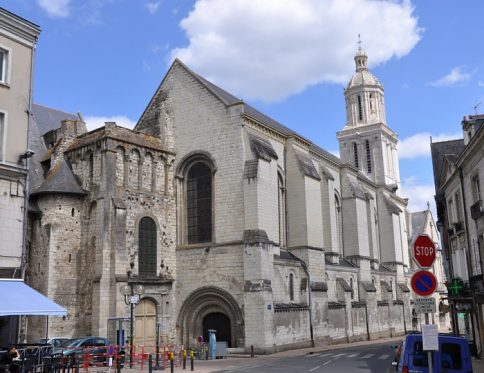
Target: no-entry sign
424,251
423,283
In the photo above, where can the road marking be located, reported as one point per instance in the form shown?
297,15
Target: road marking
367,356
326,363
353,355
339,355
383,357
326,355
310,370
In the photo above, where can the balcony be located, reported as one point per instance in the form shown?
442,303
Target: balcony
477,210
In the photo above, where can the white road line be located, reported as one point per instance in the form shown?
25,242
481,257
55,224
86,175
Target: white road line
310,370
326,355
353,355
339,355
383,357
326,363
367,356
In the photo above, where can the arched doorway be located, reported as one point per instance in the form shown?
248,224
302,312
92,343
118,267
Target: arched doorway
221,324
145,324
210,307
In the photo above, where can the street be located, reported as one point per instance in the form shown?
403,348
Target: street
372,358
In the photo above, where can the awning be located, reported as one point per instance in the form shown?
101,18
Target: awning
21,299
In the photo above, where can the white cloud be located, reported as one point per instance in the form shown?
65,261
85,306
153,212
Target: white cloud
93,122
153,7
419,195
456,76
418,145
272,49
55,8
480,83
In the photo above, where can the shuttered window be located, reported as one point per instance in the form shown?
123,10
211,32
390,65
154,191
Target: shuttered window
147,247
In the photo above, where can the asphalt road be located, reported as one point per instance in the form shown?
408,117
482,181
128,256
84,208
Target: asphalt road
368,359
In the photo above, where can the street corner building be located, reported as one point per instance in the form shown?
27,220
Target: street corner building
230,221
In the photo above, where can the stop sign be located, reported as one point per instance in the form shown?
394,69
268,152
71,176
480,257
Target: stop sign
424,251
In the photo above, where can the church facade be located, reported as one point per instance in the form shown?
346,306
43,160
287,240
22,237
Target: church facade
230,220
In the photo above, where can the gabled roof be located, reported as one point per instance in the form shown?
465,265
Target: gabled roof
228,99
439,150
60,179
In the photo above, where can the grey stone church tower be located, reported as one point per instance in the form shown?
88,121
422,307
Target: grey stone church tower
230,220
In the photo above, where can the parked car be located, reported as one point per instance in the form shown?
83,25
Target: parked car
453,355
98,348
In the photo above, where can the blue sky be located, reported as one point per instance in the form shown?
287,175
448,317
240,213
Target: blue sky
290,59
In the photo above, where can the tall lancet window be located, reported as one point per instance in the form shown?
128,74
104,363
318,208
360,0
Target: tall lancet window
355,155
368,156
282,211
360,109
199,203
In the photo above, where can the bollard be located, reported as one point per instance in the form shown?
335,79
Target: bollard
206,352
184,359
150,363
172,362
118,364
77,366
251,351
191,361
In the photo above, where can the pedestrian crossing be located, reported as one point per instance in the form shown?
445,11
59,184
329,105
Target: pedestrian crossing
352,355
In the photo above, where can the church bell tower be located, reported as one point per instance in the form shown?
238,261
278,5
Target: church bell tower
366,142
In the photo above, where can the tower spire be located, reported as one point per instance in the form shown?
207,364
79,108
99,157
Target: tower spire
359,43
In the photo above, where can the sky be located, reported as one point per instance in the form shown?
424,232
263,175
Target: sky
290,59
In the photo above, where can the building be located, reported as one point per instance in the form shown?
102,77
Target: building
458,174
18,38
228,219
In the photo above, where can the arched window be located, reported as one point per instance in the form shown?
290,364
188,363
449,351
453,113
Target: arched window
291,287
199,203
281,210
147,247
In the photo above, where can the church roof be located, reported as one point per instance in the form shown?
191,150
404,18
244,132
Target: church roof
60,179
418,218
228,99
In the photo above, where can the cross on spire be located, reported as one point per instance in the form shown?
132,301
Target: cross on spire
359,42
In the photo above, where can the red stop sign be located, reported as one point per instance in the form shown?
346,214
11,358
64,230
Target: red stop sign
424,251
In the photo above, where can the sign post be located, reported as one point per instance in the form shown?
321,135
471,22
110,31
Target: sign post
424,284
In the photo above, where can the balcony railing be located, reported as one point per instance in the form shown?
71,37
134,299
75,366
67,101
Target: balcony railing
477,210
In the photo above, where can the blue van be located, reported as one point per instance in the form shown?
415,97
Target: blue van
453,355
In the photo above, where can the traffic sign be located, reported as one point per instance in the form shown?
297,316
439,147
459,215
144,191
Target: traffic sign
423,283
423,250
425,305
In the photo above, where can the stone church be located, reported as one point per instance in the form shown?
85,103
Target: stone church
229,220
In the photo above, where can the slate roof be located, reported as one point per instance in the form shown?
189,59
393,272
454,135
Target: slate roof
261,148
306,166
44,119
418,220
60,179
440,150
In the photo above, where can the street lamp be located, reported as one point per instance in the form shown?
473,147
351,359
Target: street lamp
132,295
